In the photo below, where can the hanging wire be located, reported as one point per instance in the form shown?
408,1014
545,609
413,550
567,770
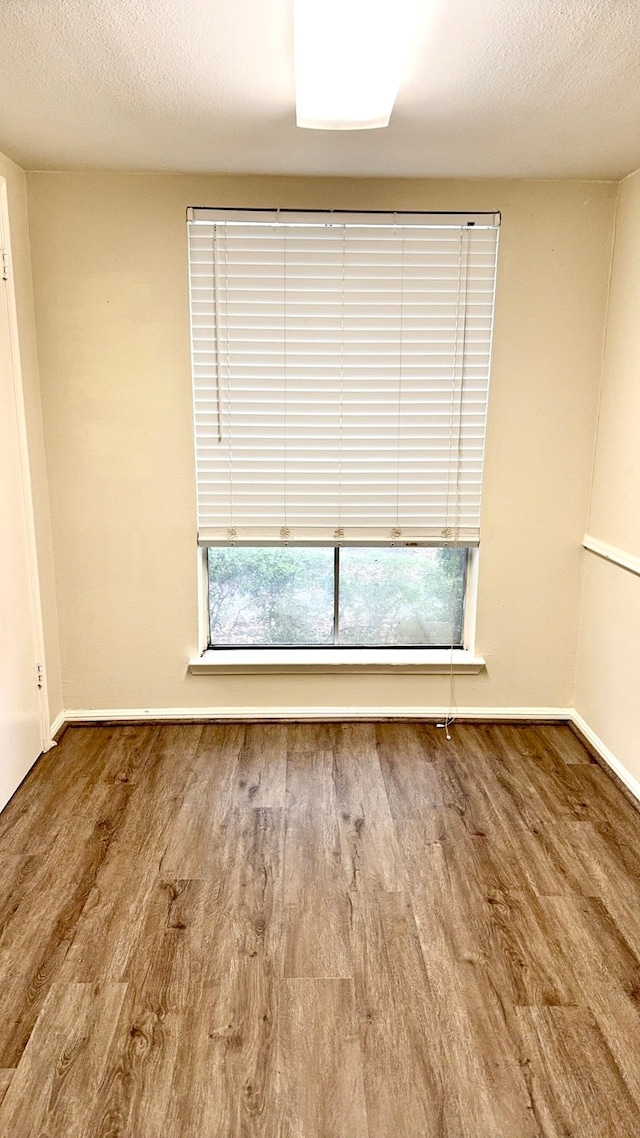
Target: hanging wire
398,528
284,533
455,452
216,325
339,532
231,532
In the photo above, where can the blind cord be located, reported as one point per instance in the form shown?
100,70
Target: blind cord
216,324
455,431
339,532
231,532
400,374
285,531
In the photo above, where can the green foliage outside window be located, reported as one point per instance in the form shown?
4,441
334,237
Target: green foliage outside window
285,595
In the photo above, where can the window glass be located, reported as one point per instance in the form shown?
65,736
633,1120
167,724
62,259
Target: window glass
280,595
384,596
399,596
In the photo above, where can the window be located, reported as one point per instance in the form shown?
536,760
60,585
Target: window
341,368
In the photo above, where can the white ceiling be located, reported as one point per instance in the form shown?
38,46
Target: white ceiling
523,88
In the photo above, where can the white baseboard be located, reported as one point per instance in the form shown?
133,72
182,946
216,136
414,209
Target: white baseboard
605,754
192,714
57,725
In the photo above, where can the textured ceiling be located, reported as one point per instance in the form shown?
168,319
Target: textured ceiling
523,88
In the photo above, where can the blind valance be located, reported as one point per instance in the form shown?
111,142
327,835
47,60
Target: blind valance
340,373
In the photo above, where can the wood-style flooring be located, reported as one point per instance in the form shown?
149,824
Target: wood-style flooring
319,931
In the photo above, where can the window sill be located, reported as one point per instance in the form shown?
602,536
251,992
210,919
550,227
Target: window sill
294,660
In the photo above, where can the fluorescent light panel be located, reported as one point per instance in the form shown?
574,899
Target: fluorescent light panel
349,60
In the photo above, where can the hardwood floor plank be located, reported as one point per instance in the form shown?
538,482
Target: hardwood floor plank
400,1035
575,1085
608,974
226,1079
312,844
487,765
108,793
309,738
316,936
55,787
226,1071
409,741
127,754
370,853
320,1060
476,1029
134,1093
6,1075
559,844
37,939
17,872
606,876
242,917
445,876
52,1089
109,928
207,957
513,778
456,897
316,913
556,783
565,743
209,797
527,949
309,764
514,859
261,773
612,815
415,767
68,871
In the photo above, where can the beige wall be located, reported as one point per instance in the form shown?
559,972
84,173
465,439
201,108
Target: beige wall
19,235
607,692
110,279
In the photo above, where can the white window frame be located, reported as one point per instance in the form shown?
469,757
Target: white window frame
220,661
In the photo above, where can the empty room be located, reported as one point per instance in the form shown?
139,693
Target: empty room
320,569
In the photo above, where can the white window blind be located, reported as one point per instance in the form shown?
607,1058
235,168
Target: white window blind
341,371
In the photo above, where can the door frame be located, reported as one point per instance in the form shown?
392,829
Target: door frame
25,470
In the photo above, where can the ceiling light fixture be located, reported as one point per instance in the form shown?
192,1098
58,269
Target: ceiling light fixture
349,59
